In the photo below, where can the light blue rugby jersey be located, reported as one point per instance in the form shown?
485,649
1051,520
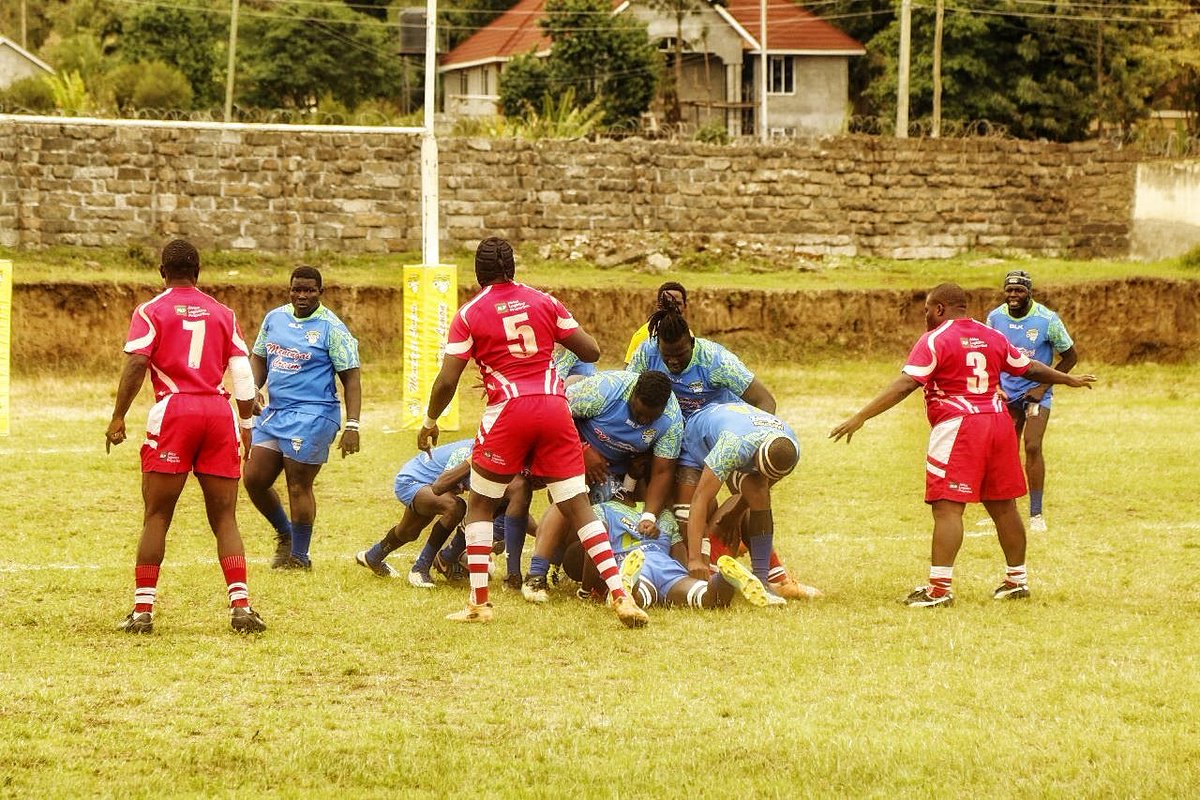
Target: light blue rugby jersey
303,359
424,468
600,406
724,437
715,375
1039,334
621,522
567,364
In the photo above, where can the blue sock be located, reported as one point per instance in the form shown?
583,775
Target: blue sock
514,541
538,565
301,539
280,522
1035,502
457,546
760,539
376,555
437,537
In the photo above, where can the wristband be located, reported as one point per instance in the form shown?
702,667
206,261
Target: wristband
648,517
351,424
246,424
429,422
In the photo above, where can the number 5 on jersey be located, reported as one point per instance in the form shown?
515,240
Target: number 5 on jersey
521,341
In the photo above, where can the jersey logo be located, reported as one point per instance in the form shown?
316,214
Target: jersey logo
972,342
312,337
696,387
297,444
1031,334
181,310
649,435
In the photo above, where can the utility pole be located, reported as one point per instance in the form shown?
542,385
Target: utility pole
937,69
429,149
233,20
764,132
902,78
24,28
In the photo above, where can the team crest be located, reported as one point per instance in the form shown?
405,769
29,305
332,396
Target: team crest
649,435
696,387
312,337
1031,334
297,444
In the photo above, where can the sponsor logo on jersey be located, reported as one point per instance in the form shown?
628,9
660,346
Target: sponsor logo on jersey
287,352
169,457
495,459
971,343
312,337
962,488
628,522
181,310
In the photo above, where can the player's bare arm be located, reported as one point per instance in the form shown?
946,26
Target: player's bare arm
132,378
899,389
581,343
352,393
440,395
658,494
450,480
258,366
1043,373
706,493
759,396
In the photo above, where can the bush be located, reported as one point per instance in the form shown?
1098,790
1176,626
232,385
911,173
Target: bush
161,86
28,94
1191,259
712,133
121,83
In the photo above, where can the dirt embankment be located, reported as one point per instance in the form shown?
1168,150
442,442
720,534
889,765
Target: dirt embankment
64,326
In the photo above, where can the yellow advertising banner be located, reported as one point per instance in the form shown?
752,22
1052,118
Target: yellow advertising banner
6,275
430,300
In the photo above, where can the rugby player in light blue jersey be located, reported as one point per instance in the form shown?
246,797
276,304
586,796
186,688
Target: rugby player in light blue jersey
753,450
701,371
1039,333
570,367
652,574
300,349
619,416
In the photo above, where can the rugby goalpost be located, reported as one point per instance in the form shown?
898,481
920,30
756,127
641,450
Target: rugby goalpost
430,289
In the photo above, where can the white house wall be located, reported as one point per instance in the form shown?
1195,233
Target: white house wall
15,67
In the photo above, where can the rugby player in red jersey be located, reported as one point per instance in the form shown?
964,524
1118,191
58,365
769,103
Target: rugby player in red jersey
187,340
510,330
972,455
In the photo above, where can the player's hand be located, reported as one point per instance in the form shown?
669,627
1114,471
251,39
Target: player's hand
247,435
648,529
259,403
847,429
595,466
115,433
349,442
427,438
1081,381
698,568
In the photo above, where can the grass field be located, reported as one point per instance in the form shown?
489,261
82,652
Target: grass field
359,688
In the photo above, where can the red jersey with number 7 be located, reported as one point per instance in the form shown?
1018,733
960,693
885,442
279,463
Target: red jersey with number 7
189,338
510,330
959,364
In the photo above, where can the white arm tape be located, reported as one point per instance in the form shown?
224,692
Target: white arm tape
243,378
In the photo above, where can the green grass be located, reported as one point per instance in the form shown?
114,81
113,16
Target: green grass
360,688
695,270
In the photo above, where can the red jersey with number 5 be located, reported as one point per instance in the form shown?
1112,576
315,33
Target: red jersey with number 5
189,338
510,330
959,364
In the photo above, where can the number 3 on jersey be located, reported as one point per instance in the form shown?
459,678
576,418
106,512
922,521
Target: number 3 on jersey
977,363
521,341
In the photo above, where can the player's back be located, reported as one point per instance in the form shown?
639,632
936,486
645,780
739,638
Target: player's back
189,337
510,330
960,363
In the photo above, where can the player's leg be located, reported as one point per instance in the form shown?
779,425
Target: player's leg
261,471
570,495
1035,465
406,530
487,488
516,524
160,493
302,508
448,521
220,505
552,534
1002,485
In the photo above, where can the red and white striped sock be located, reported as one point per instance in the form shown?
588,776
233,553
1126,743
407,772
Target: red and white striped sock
234,568
145,581
777,573
594,538
939,579
1016,575
479,553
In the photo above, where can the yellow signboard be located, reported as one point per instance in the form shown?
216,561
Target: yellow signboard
6,270
430,300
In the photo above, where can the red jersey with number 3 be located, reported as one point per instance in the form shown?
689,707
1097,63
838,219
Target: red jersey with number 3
189,338
959,364
510,330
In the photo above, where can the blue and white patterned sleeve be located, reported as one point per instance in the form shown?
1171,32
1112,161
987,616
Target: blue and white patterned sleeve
668,527
670,442
1056,332
343,347
729,372
730,453
260,341
587,397
640,361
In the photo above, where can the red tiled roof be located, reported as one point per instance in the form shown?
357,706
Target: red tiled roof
790,27
516,31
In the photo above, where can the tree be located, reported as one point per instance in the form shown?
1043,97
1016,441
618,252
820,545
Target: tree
522,84
191,38
679,10
301,51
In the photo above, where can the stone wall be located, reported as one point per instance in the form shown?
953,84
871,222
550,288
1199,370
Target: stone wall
283,190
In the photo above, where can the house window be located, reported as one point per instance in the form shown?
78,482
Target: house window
484,77
464,85
781,75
